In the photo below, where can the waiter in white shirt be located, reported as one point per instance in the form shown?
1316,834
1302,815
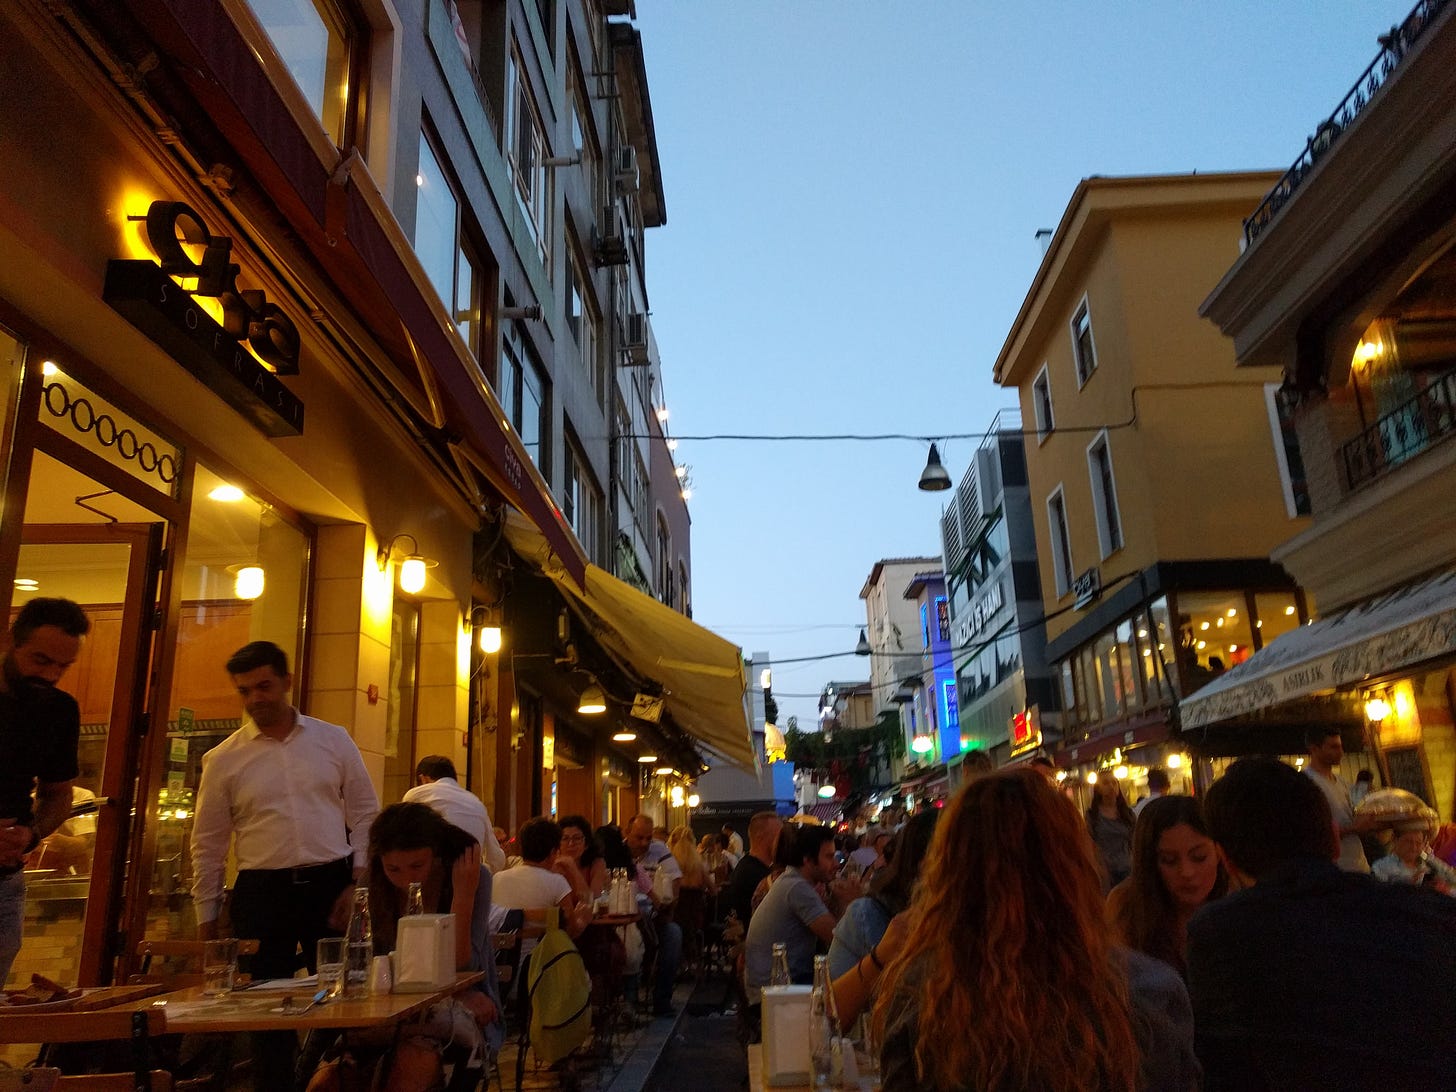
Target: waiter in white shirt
439,789
292,795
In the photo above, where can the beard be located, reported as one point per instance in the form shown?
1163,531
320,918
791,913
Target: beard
22,686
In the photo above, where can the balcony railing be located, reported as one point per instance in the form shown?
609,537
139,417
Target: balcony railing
1412,427
1394,45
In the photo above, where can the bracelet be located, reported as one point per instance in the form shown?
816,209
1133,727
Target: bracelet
875,958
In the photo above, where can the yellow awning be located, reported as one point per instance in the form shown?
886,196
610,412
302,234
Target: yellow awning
700,673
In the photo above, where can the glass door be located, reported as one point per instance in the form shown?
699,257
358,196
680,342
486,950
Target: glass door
75,877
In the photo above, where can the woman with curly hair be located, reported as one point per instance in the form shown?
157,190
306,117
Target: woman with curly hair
1175,870
1008,977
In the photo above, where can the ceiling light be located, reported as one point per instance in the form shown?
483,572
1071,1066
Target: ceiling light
624,736
1203,625
593,701
663,771
1232,613
646,758
1288,611
226,493
826,792
1202,644
26,583
1092,777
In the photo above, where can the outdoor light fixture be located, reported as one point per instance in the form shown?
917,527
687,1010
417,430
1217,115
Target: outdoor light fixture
411,569
624,736
1174,761
677,796
646,758
663,771
694,799
1092,777
490,639
247,580
1377,709
1120,773
826,792
922,745
765,678
226,493
662,413
934,478
593,701
862,647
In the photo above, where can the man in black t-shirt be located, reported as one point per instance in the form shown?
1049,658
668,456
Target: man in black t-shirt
737,894
40,727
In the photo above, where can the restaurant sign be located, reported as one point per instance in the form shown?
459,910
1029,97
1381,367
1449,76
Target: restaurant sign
1026,731
1086,588
240,358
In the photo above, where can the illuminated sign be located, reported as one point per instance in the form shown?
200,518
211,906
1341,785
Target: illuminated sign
942,617
1026,731
239,359
952,702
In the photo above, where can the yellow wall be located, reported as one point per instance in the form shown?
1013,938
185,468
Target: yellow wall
1196,475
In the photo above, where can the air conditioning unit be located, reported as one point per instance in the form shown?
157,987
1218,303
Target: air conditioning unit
611,242
634,343
626,169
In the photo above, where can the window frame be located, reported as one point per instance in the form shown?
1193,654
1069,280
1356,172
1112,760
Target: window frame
461,246
1106,511
341,24
1041,392
1084,366
1059,527
525,139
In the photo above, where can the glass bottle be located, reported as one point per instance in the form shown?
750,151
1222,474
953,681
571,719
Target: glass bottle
778,974
360,952
824,1041
414,901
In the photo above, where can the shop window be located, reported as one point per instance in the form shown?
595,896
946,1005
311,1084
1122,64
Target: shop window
1069,687
1275,613
1129,693
1164,647
1084,352
1215,633
317,43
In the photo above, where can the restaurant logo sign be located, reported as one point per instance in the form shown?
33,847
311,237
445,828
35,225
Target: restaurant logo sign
241,358
981,613
1086,588
1026,731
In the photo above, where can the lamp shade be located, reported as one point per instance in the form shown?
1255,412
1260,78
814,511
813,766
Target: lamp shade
490,639
412,574
593,700
862,647
934,478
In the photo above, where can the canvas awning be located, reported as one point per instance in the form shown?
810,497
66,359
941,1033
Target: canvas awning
1400,629
701,674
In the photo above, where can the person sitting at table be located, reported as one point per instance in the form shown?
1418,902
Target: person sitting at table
579,850
539,882
411,843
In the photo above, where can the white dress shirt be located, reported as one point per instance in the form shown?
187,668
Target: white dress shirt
460,806
303,800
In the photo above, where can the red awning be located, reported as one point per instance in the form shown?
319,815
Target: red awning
338,214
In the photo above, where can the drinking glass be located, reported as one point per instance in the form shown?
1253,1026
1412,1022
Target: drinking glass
331,952
867,1054
219,966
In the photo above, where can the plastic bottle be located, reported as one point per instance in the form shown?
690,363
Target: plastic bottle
360,953
414,902
778,975
825,1044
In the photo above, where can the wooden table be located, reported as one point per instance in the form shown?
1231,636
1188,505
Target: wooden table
617,919
253,1010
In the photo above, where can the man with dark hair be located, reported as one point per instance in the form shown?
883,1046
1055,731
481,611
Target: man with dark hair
792,913
536,884
1326,748
735,841
437,787
1157,786
292,796
653,856
1292,977
40,727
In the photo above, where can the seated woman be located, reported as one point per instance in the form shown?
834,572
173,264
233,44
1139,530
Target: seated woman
1008,977
579,849
1175,870
411,843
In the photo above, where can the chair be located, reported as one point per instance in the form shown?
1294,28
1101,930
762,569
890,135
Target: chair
137,1027
185,952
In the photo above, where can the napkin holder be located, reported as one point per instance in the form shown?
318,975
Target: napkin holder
424,953
786,1035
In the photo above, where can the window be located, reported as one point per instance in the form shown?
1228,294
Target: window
1104,495
1041,403
441,247
526,154
1287,455
1084,353
924,625
682,589
581,320
581,501
316,44
1061,541
664,561
523,398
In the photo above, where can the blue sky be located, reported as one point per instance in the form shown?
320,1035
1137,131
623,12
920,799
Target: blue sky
853,191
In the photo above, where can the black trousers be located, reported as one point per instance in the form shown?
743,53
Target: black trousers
285,909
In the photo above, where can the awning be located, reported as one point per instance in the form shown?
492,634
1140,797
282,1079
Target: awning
1400,629
825,813
700,673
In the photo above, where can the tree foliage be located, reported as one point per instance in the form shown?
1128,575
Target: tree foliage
849,756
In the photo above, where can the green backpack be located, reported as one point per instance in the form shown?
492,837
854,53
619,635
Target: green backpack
560,993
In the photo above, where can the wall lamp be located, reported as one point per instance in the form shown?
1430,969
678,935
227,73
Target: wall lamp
1377,709
411,569
490,633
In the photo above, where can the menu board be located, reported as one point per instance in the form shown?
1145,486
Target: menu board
1405,770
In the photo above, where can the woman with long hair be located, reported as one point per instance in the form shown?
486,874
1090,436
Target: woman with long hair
1008,977
1175,870
411,843
1110,821
579,850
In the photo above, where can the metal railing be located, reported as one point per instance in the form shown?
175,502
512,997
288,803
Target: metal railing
1394,45
1415,425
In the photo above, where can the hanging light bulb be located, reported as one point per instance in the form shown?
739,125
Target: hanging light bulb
490,639
593,701
934,478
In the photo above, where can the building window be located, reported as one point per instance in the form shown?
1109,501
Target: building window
1041,403
664,561
684,599
526,155
582,321
1083,351
317,44
523,397
581,501
442,249
1061,541
1104,495
1287,455
924,625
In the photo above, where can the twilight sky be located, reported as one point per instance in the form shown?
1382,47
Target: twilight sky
853,190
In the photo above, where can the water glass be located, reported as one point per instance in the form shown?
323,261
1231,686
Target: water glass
331,952
867,1054
219,966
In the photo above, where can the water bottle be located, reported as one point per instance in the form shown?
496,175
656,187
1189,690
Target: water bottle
778,974
414,902
360,952
824,1041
